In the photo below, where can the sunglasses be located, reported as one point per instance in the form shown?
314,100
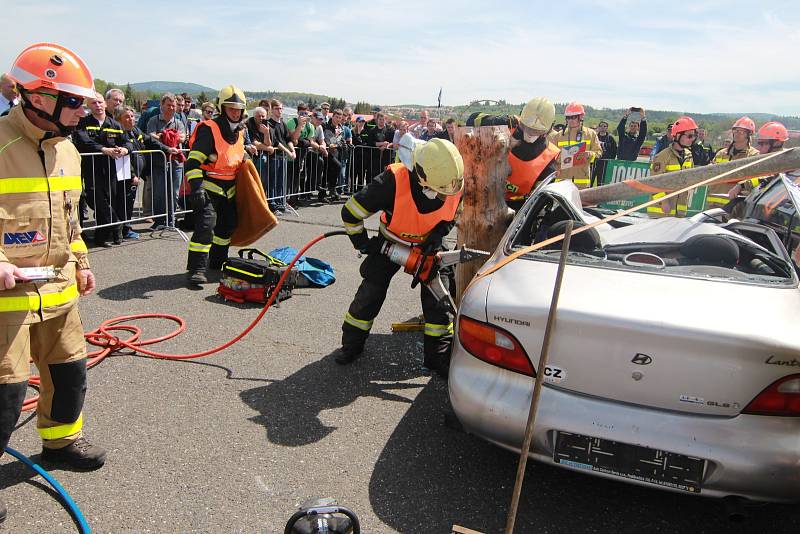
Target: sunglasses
69,101
574,118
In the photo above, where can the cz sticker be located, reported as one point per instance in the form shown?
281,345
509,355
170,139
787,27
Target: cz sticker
554,374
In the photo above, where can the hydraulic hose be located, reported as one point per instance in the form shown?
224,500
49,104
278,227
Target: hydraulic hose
73,509
110,343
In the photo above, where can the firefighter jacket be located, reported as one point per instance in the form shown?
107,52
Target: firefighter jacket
408,215
93,137
718,193
40,185
580,175
529,162
215,156
669,160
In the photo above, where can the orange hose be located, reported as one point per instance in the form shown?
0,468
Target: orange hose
109,343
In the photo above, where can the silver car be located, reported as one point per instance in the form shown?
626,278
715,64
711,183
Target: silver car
675,359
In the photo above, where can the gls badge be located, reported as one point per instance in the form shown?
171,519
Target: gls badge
642,359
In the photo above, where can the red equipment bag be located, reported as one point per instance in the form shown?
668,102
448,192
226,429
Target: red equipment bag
247,279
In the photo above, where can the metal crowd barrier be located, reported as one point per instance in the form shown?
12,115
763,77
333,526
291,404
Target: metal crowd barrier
113,198
313,176
140,187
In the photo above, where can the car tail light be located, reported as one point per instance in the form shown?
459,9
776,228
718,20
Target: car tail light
493,345
781,398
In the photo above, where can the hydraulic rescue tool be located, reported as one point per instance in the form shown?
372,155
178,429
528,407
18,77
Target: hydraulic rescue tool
425,267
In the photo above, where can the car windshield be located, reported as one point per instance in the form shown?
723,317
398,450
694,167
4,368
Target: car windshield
775,204
668,246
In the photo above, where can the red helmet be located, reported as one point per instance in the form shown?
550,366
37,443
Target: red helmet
682,125
573,108
52,66
773,131
745,123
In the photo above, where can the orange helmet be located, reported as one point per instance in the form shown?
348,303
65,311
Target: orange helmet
574,108
745,123
54,67
773,131
683,124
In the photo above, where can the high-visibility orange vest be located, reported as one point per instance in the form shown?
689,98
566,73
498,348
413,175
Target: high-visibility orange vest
524,173
408,225
229,156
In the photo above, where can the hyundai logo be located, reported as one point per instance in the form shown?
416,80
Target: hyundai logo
642,359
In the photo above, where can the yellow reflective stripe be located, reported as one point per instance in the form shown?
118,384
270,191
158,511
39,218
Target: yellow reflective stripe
221,240
438,330
198,247
580,181
62,431
683,207
574,143
659,195
39,184
217,190
234,269
754,181
197,155
354,228
193,174
717,199
35,302
78,246
356,209
672,167
112,130
93,128
358,323
721,159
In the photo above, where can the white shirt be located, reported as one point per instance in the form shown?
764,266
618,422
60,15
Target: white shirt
6,104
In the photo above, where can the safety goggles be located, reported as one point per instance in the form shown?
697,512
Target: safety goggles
68,101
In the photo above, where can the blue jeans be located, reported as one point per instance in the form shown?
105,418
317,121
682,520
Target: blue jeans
275,180
165,192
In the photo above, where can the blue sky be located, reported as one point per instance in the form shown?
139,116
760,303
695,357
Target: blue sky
695,56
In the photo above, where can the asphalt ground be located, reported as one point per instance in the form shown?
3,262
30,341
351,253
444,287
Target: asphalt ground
236,441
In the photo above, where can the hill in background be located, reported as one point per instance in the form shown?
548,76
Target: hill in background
171,87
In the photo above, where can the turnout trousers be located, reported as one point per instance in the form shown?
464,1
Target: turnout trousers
213,228
58,349
377,272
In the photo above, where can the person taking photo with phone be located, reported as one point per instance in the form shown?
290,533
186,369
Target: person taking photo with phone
632,137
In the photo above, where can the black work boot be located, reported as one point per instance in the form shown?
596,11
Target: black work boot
80,454
196,278
347,354
439,364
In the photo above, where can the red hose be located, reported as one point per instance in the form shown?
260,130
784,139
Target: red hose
109,343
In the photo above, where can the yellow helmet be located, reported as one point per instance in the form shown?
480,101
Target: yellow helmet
439,166
232,96
538,114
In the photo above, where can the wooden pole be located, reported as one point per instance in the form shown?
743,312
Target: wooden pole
537,385
784,161
484,213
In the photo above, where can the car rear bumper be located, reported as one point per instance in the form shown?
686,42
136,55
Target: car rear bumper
754,457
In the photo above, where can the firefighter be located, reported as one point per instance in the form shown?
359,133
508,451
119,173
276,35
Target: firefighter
40,186
771,137
217,151
742,130
532,157
418,208
675,157
575,134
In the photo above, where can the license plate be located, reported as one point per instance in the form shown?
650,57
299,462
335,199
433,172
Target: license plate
629,461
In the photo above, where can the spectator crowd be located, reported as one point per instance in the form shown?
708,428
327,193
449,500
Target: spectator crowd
319,155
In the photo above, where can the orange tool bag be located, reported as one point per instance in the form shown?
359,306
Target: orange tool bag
253,276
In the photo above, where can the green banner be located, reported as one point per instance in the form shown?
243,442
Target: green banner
619,171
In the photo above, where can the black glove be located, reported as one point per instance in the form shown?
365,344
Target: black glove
373,246
432,244
198,199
